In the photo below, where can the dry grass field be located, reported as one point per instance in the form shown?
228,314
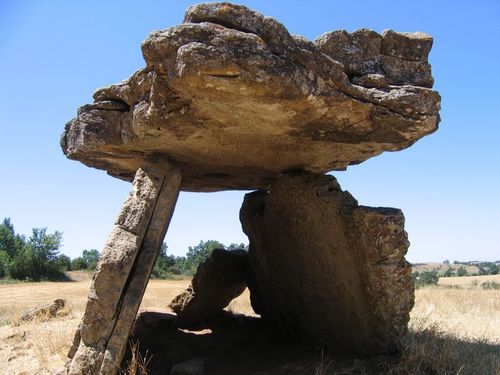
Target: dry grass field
454,327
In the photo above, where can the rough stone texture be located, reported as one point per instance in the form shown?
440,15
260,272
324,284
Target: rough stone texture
326,269
232,99
401,57
123,271
218,280
46,312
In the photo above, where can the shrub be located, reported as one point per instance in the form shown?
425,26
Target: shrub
91,257
449,272
78,264
490,285
462,271
427,278
35,259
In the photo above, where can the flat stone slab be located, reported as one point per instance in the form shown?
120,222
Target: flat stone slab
234,100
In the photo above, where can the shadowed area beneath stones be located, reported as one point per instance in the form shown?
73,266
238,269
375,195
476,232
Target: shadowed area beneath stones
229,344
243,345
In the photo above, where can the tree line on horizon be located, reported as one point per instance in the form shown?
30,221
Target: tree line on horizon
38,257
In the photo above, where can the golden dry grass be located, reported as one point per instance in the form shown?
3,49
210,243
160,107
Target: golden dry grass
468,281
452,330
39,347
470,314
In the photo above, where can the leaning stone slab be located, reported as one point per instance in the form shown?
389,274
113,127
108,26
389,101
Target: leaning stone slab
218,280
325,269
123,270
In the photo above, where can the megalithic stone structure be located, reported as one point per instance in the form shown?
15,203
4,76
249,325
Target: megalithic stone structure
124,269
230,100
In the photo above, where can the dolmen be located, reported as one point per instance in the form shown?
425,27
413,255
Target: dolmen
230,100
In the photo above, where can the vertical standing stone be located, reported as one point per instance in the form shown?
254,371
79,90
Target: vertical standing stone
325,269
123,271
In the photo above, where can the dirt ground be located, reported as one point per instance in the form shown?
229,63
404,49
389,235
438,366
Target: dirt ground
458,318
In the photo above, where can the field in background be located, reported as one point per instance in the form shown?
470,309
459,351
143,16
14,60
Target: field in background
449,325
468,281
441,267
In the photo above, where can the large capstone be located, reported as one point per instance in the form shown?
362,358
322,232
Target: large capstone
325,269
233,100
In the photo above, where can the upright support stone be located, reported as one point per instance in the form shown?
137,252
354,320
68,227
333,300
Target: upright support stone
325,269
124,269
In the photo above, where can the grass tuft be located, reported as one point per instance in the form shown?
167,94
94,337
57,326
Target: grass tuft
138,365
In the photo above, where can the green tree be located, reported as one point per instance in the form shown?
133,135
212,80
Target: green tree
235,246
38,259
45,249
427,278
91,257
4,264
488,268
160,270
494,269
78,264
462,271
9,241
22,266
449,272
197,254
64,263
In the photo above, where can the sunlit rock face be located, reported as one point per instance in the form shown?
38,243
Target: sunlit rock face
234,100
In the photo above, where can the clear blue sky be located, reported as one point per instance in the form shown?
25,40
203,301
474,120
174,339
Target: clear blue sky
54,54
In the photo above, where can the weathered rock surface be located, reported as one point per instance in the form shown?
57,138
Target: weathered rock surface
326,269
123,271
47,311
218,280
234,100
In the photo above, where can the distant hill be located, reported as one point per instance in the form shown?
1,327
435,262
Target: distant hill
471,267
